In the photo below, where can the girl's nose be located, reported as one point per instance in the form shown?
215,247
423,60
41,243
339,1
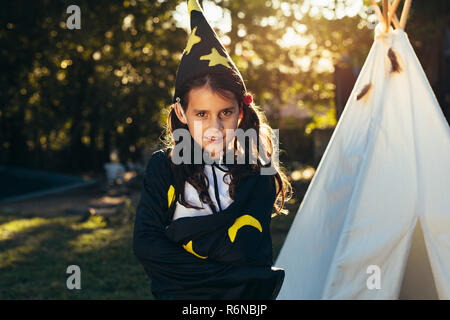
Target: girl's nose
216,123
214,130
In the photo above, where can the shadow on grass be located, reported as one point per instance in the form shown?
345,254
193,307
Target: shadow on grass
35,253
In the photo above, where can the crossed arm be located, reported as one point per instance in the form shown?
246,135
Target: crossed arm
238,234
173,268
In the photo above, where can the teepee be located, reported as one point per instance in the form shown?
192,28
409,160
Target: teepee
381,188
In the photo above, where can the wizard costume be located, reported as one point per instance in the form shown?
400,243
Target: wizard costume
221,252
203,53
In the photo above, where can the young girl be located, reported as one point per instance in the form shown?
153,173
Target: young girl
202,230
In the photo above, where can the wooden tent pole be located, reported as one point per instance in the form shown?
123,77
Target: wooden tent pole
396,22
405,12
392,15
385,15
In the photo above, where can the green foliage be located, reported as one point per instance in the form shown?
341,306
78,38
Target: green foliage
71,95
68,97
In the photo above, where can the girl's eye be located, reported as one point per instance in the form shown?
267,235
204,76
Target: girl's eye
226,113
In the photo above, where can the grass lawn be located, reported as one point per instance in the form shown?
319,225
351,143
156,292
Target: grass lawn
35,252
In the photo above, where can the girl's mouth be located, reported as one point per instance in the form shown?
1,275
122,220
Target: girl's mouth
214,140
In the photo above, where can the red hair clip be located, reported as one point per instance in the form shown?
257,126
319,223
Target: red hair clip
248,98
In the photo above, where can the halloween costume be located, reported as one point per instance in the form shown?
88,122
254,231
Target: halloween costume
227,255
204,52
220,252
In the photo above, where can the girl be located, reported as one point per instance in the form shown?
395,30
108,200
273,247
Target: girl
202,230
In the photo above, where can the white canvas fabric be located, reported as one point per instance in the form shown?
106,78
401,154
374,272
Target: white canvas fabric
385,167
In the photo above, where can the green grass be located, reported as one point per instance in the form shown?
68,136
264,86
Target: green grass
35,252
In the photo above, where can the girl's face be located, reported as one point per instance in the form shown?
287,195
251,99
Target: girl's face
209,117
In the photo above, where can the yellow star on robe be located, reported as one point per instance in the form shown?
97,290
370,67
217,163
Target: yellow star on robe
193,5
215,58
193,39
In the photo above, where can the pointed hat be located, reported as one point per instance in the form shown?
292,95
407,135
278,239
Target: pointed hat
204,52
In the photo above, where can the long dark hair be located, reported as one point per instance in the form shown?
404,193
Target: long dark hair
253,118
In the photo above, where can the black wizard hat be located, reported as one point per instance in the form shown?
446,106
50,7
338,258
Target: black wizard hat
204,52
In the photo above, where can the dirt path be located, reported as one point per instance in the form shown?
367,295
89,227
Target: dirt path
73,201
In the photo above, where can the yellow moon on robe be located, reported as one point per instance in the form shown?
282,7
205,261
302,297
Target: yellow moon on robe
245,220
188,248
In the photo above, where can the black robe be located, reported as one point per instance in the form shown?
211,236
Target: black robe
224,255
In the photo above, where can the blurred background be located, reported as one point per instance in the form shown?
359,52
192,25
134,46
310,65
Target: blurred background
82,110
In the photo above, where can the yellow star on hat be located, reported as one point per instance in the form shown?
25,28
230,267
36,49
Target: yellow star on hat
215,58
193,39
203,44
193,5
